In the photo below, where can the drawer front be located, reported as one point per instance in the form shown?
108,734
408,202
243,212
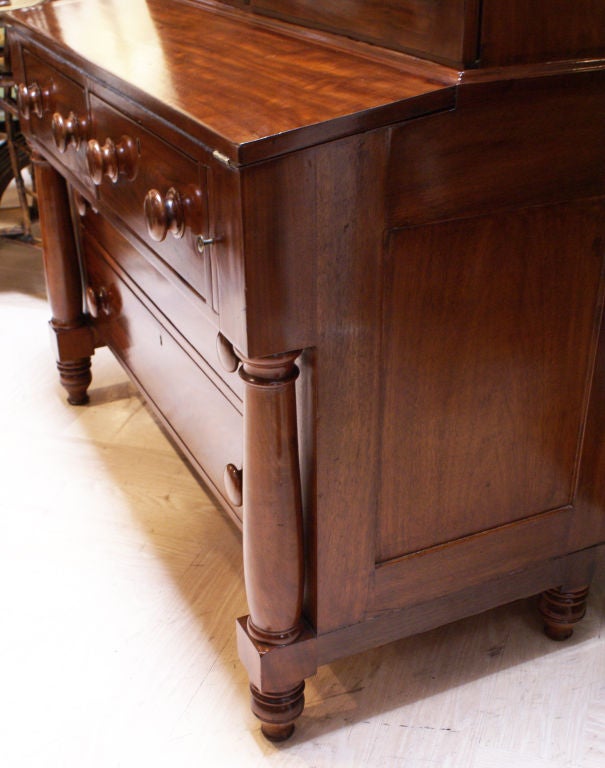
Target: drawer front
48,98
204,422
133,166
195,324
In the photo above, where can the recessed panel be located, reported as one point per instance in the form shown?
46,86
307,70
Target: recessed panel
489,331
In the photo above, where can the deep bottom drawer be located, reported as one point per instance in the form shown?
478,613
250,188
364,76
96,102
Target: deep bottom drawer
205,424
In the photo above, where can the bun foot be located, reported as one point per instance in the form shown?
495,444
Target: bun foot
75,378
278,711
276,733
561,611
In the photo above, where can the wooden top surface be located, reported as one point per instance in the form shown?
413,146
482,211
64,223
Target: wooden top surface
248,87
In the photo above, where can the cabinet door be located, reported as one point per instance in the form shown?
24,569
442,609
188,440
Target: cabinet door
444,30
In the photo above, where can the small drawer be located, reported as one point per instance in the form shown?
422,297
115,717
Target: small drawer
203,421
156,190
54,112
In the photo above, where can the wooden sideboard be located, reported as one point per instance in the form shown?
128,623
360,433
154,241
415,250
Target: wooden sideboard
353,256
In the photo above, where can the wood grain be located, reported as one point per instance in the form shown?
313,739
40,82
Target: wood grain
515,31
430,244
304,91
488,355
444,30
155,572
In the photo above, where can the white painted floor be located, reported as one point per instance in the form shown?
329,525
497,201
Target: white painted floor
120,583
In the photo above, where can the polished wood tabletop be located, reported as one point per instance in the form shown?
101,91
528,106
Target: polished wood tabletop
237,82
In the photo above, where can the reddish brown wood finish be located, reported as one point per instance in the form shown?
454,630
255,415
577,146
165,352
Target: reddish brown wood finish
112,159
528,141
273,534
130,165
73,337
517,31
482,366
61,97
209,429
273,544
280,92
561,610
433,243
445,30
68,131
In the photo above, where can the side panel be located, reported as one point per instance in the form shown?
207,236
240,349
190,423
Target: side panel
489,343
509,144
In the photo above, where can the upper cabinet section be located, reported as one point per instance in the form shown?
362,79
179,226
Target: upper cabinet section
459,33
521,32
442,30
243,86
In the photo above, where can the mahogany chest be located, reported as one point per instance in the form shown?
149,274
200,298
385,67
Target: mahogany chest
352,253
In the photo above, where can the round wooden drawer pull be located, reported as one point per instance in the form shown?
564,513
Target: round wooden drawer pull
175,212
226,354
164,214
33,99
112,160
101,302
70,130
232,479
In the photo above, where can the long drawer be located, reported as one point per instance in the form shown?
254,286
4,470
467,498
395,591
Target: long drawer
156,190
134,168
204,423
53,109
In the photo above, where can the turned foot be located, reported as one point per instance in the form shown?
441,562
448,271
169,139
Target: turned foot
561,610
75,378
278,711
72,337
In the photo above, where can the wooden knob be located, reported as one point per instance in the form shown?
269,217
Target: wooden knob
165,214
232,478
112,160
226,354
68,130
174,212
101,302
80,203
33,99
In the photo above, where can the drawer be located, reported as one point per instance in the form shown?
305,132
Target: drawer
203,422
188,316
53,110
155,189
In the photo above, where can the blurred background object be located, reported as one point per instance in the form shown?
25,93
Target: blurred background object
17,193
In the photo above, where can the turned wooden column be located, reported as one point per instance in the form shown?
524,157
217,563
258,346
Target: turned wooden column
73,338
561,609
273,535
